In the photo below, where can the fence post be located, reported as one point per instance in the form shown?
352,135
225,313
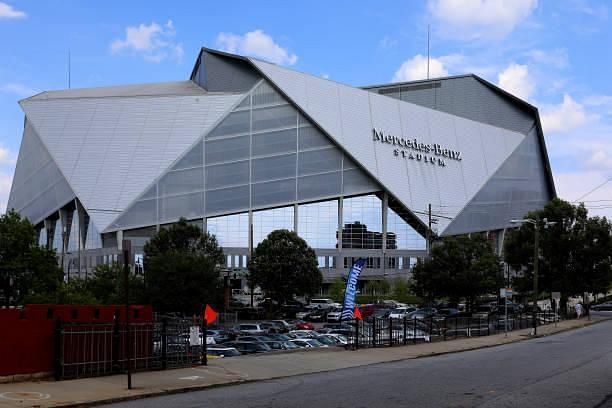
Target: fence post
58,352
445,329
488,324
374,332
414,330
430,328
357,334
390,331
164,343
204,360
405,330
116,344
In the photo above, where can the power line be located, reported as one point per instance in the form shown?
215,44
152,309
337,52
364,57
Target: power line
593,190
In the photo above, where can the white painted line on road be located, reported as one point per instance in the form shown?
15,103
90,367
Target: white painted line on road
24,396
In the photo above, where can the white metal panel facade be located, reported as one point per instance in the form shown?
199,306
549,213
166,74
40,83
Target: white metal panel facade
110,149
445,187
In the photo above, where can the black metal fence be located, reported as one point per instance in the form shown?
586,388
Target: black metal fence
385,332
85,350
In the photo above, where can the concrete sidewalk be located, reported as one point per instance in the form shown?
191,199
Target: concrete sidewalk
91,391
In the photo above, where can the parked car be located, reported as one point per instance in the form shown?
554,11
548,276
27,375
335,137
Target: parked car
255,338
318,315
283,324
401,312
249,347
447,313
249,328
339,338
604,307
484,311
220,336
279,336
307,343
305,313
382,312
302,325
222,351
301,334
334,314
271,327
328,341
325,303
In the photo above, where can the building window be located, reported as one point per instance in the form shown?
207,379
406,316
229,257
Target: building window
266,221
362,222
400,235
318,224
232,231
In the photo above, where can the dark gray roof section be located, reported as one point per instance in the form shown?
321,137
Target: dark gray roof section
473,97
217,73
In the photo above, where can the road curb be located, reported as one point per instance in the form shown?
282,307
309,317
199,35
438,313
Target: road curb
181,390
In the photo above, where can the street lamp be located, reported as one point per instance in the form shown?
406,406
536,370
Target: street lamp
536,257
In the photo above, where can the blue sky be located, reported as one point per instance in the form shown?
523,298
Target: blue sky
551,53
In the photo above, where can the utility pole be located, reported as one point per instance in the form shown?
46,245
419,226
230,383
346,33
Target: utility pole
429,230
536,259
126,246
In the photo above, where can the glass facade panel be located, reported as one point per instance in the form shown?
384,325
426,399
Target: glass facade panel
93,239
400,235
264,222
318,224
310,138
232,231
181,181
235,123
319,161
319,185
273,192
142,213
362,222
274,118
73,238
228,174
265,94
226,150
175,207
227,199
275,167
192,159
355,181
281,141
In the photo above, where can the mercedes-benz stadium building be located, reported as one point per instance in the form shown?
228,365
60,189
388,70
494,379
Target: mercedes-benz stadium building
245,147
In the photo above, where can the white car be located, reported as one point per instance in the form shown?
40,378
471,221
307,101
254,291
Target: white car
325,303
250,329
307,343
304,334
334,315
401,312
338,338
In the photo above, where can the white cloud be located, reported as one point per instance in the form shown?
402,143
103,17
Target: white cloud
153,42
478,19
416,68
564,117
516,80
6,180
18,89
7,11
256,44
6,156
557,58
600,159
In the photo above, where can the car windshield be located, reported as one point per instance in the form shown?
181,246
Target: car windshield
314,343
290,345
399,310
325,340
249,327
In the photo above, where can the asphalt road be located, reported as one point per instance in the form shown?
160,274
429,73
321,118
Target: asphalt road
571,369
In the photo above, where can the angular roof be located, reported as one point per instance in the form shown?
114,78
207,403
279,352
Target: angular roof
110,143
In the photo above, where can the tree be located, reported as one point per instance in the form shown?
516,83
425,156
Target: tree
336,289
25,268
574,252
400,289
460,268
377,288
107,285
283,265
181,264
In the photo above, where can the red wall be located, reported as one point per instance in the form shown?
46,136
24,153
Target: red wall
27,335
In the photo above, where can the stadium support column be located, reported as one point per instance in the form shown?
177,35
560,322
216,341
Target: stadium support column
385,205
340,261
251,286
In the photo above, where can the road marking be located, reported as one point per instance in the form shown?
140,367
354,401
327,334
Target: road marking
192,378
24,396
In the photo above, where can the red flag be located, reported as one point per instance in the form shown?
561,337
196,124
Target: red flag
210,315
357,314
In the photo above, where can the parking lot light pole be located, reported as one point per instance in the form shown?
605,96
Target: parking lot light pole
536,258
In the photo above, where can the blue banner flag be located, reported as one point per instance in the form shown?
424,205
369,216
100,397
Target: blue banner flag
351,289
